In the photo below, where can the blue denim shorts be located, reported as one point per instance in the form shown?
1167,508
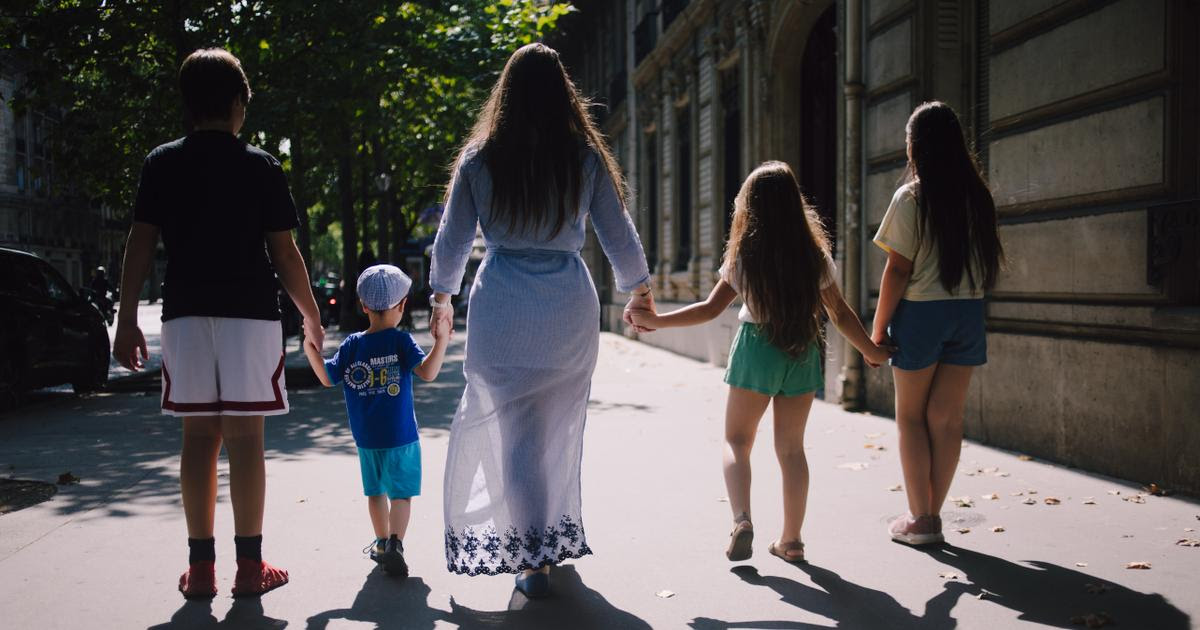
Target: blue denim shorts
938,331
395,472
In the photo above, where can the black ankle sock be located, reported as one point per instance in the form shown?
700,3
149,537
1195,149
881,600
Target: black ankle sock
399,543
202,550
249,547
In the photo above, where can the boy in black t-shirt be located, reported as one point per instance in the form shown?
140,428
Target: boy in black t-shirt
225,215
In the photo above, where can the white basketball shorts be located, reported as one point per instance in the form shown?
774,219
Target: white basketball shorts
222,366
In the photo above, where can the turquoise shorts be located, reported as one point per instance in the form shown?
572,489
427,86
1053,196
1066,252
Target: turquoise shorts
395,471
757,365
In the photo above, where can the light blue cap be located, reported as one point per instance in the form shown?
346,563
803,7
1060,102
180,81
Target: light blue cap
381,287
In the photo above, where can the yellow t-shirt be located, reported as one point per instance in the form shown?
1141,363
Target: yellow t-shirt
898,233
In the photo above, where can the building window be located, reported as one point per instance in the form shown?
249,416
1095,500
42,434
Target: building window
651,188
731,142
683,196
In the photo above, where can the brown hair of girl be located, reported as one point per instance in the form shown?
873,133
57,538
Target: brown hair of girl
778,246
954,205
531,132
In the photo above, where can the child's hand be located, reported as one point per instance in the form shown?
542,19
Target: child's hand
311,345
644,318
442,329
877,355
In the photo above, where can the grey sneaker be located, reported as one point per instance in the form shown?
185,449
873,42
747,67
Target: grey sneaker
921,530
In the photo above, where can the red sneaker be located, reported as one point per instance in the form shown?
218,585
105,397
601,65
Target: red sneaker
199,581
255,578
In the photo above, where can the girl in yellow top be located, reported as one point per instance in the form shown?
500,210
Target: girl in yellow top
778,260
943,254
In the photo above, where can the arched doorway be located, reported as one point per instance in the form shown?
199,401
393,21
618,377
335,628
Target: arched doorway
818,119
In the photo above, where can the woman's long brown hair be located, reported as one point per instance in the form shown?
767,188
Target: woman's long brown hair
531,132
954,205
778,246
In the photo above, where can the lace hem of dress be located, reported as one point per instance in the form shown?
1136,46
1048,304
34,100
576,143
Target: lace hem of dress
485,551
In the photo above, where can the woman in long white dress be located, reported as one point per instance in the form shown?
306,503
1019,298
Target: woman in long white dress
533,171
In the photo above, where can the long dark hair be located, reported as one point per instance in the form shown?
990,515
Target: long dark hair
954,205
779,247
530,133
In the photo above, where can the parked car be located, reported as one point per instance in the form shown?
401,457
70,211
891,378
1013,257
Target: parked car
49,333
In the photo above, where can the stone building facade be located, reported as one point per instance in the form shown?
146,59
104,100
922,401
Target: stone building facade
37,212
1084,115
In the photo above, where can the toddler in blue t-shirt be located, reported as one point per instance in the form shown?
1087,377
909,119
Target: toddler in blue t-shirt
376,368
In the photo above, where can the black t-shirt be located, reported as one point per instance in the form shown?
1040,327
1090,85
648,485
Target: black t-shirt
214,198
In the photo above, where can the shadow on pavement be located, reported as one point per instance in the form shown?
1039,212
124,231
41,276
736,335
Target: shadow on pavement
847,603
1048,594
389,603
244,613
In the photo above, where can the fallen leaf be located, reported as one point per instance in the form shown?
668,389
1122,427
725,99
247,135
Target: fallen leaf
983,592
1081,564
949,575
854,465
1052,501
1031,491
964,502
67,478
874,447
997,529
874,436
1029,501
990,469
1024,458
1188,542
722,499
896,488
1189,529
1156,490
301,501
1096,589
1089,501
963,530
1116,492
993,496
665,594
1134,498
1137,565
1001,474
1015,494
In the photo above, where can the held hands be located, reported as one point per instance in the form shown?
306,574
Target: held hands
882,349
643,302
644,320
314,333
441,328
128,344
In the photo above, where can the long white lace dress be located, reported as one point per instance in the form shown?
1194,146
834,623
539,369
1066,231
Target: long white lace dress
512,473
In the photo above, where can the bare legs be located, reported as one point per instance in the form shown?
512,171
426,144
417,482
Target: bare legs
389,520
791,416
929,415
202,439
743,411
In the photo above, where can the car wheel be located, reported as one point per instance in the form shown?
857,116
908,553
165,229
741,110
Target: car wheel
12,387
95,375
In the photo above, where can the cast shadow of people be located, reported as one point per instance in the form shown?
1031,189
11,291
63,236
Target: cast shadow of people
571,605
386,602
244,613
394,604
1052,595
848,604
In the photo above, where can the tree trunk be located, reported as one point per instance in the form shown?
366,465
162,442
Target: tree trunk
384,214
345,179
301,195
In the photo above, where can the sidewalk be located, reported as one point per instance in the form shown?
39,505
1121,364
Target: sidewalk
106,553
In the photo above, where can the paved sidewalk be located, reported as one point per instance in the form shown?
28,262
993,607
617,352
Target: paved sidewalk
106,553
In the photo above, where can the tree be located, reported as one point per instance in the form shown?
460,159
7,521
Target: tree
373,87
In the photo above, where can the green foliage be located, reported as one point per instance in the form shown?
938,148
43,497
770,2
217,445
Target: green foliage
389,85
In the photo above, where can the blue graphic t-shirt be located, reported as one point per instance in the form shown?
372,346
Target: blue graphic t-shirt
376,370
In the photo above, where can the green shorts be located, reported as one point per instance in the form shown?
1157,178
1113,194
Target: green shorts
758,366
